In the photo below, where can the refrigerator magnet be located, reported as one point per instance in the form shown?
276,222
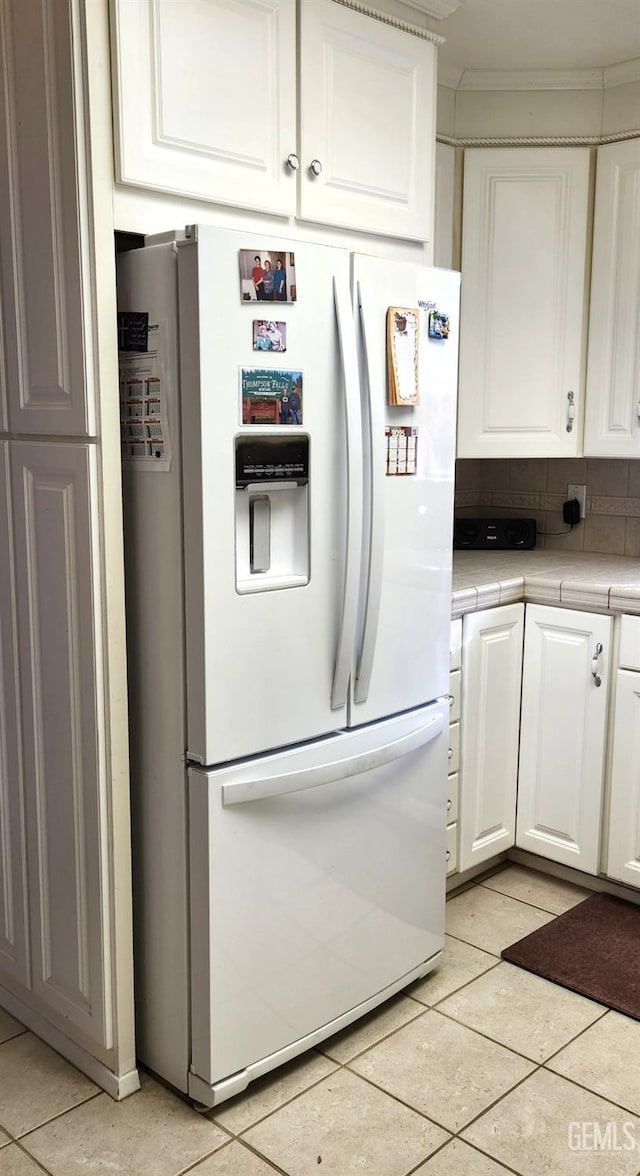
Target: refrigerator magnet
267,275
438,325
269,335
402,355
270,396
401,445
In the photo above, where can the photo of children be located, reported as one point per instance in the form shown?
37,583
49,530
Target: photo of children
267,276
269,336
271,397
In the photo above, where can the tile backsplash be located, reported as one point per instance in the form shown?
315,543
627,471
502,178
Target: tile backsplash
537,487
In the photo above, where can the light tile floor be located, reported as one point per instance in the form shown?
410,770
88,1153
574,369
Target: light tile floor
479,1070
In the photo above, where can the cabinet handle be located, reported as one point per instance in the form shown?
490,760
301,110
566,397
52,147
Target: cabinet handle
450,753
639,410
315,167
597,680
448,806
571,411
448,857
293,163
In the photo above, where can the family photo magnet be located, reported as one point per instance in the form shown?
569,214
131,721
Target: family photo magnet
267,275
269,335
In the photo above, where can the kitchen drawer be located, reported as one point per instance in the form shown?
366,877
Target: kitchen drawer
452,797
629,643
454,691
454,747
452,848
456,644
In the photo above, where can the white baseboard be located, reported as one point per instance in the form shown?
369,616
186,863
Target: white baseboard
119,1086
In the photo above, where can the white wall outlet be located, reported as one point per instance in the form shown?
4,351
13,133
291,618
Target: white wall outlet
579,492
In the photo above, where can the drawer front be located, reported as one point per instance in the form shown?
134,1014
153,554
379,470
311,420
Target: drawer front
456,644
629,643
454,691
452,848
454,747
452,798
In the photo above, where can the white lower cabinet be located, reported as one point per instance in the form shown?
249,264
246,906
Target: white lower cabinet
491,676
65,783
623,849
14,954
563,731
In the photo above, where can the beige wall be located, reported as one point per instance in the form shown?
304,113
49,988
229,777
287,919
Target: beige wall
497,113
621,108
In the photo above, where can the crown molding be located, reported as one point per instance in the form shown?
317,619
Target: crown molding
456,78
533,79
394,21
620,75
538,140
438,9
449,75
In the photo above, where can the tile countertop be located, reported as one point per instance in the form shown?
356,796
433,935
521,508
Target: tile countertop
584,580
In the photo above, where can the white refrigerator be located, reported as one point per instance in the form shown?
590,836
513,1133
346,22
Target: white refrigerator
288,601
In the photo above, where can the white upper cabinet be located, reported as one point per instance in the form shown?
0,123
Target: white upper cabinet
205,99
612,422
367,107
523,291
45,283
208,104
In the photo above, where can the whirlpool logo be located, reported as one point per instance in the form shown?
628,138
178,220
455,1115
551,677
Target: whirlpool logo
593,1136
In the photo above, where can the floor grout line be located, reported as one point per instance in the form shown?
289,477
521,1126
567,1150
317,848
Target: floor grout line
224,1147
421,1008
31,1157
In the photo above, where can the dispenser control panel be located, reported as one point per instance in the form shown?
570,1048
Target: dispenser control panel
271,459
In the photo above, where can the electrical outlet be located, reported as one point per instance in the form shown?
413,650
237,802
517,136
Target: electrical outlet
579,492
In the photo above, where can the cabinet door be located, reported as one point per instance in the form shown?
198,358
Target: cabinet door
66,784
612,421
523,260
562,734
45,249
13,892
367,111
623,853
491,676
205,99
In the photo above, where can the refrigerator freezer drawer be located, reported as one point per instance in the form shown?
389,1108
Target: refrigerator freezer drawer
308,903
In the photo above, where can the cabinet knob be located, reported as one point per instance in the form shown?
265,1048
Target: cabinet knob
315,167
293,163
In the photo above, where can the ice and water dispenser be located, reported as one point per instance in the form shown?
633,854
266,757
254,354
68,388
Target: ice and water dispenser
272,512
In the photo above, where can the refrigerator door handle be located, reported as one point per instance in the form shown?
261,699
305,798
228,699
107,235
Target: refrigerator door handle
340,769
375,440
349,356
